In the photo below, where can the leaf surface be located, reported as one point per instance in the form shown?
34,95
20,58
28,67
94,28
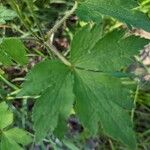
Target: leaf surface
6,116
109,54
6,143
100,97
123,10
42,75
54,83
100,100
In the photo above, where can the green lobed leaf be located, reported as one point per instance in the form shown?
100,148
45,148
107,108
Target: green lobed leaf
57,99
41,76
99,98
6,116
109,54
84,40
12,49
54,83
119,9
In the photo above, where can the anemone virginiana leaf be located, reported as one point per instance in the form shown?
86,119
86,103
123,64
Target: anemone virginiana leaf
100,97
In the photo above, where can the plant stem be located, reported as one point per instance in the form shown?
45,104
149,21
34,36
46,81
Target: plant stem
8,83
135,100
60,22
49,44
58,54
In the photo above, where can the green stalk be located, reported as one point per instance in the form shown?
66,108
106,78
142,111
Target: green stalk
135,100
49,44
58,54
60,22
8,83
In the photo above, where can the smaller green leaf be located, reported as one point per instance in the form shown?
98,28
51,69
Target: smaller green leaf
12,49
10,139
53,81
6,116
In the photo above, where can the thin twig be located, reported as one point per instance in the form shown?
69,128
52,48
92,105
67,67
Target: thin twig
60,22
5,26
58,54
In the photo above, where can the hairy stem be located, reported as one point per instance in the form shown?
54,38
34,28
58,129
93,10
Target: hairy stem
60,22
58,54
49,44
